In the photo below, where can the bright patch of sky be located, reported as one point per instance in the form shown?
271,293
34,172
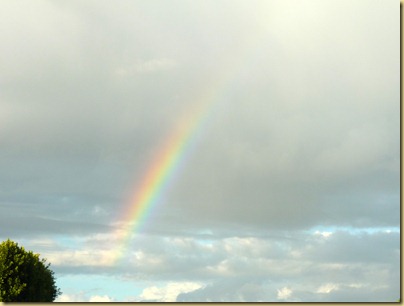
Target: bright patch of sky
328,230
98,285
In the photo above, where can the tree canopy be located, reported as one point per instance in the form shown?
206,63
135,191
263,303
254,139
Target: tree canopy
24,277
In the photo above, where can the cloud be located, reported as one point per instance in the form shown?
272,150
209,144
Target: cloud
244,269
82,297
74,131
167,293
147,66
327,288
69,298
323,234
38,225
98,298
231,290
284,293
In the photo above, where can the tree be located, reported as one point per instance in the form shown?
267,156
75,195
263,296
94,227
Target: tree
24,277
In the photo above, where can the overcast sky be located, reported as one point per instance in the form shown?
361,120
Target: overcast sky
291,189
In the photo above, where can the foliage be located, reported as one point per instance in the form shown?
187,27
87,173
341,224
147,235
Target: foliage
24,277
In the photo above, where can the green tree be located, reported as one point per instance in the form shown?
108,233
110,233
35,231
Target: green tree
24,277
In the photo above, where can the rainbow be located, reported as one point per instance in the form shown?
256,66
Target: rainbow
175,150
171,155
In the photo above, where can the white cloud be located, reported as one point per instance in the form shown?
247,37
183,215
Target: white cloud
82,297
169,292
327,288
323,234
99,298
284,293
299,260
78,297
64,298
97,211
223,268
78,258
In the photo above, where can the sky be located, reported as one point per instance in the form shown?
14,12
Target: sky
266,132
